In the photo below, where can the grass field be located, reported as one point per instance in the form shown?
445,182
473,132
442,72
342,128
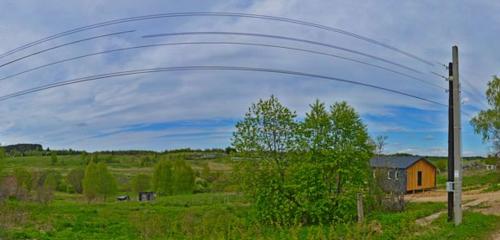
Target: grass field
213,215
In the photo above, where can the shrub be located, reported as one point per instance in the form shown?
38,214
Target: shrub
45,186
75,179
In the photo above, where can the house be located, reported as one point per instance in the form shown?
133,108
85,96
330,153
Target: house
146,196
404,173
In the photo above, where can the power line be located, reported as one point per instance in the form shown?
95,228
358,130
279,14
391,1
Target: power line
223,43
206,68
284,38
216,14
62,45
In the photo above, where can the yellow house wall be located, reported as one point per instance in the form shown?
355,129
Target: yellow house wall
428,176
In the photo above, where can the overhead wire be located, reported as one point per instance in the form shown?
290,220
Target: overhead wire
285,38
208,68
63,45
216,14
222,43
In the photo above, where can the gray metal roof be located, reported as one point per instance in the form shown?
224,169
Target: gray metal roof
395,161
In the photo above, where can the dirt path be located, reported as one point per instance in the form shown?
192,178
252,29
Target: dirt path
441,196
484,202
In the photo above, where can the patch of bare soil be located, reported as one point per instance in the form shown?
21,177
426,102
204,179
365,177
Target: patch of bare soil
490,208
495,236
484,202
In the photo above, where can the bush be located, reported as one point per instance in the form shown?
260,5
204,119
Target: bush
75,179
45,187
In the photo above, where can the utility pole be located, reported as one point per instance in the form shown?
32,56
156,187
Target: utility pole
451,168
457,141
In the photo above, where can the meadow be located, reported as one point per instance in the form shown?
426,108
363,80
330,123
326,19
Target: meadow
219,213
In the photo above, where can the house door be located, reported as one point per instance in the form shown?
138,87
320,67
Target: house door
419,178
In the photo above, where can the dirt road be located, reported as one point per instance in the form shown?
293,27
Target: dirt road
489,203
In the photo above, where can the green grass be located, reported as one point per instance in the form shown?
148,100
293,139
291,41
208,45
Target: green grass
475,179
209,215
474,226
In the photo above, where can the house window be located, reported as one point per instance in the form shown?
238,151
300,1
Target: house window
388,174
396,175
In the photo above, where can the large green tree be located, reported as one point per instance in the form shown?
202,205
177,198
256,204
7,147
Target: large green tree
106,182
267,136
184,176
303,172
173,177
163,177
141,183
90,181
487,122
98,181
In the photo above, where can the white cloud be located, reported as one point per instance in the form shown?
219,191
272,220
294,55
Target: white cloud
73,112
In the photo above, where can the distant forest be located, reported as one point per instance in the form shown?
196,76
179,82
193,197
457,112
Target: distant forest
32,149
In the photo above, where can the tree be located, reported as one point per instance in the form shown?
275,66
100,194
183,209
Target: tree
141,183
183,177
24,182
303,172
487,122
106,182
2,153
173,178
351,144
75,179
268,130
162,178
2,158
53,158
45,186
90,181
84,158
337,152
267,133
380,142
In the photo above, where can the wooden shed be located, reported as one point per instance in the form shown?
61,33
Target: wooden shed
405,173
146,196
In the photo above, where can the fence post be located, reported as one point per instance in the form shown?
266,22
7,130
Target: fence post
360,208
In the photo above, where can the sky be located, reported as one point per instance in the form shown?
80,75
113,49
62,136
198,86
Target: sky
199,109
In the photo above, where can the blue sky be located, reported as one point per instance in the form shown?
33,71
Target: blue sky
198,109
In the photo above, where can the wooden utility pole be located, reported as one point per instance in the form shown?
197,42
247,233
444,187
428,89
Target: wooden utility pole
457,141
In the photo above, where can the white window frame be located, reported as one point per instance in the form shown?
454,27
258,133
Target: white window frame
396,175
389,174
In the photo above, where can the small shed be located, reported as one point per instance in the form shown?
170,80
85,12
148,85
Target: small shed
404,173
123,198
146,196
